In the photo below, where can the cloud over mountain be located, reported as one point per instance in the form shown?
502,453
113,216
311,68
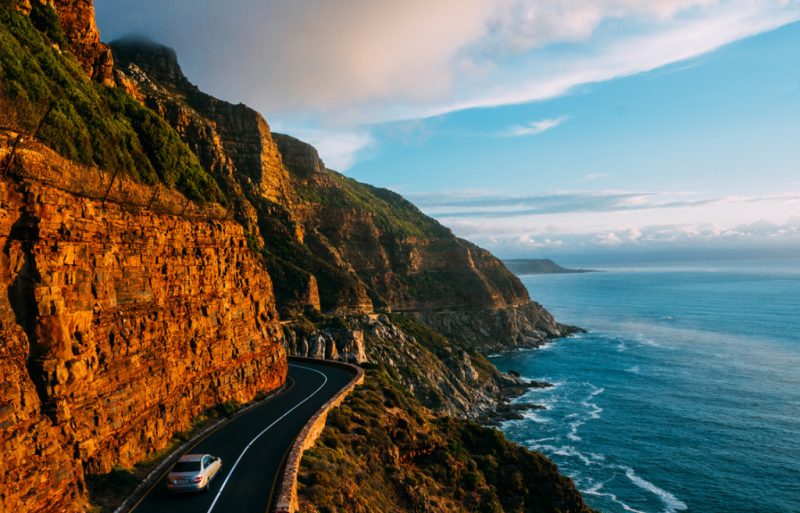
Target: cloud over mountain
364,61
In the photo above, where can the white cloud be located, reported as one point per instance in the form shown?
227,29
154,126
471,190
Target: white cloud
674,38
510,224
595,176
679,236
362,61
534,127
338,149
607,239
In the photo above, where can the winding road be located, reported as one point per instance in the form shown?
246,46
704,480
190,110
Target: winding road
253,447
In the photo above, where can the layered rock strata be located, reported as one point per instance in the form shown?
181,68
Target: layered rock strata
119,326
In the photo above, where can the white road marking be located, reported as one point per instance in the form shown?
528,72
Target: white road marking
222,487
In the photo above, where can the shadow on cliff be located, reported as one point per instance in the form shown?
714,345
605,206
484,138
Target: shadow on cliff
22,298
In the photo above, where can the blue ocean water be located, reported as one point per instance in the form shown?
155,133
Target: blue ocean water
683,396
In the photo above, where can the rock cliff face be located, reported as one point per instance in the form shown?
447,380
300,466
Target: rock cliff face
333,243
120,325
36,473
80,29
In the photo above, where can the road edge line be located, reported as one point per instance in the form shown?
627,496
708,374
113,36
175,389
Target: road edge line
152,479
287,495
261,433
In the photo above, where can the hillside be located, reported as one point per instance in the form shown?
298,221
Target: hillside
538,266
164,250
420,462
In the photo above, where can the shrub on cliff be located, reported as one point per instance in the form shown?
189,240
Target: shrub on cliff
383,451
89,123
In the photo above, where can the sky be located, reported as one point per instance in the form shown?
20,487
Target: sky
536,128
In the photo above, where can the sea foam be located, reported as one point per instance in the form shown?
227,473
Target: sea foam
672,503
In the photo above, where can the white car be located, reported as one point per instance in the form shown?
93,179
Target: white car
193,472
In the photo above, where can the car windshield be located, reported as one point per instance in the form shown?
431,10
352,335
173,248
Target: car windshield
187,466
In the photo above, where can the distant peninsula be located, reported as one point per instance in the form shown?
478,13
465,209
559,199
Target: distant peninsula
539,266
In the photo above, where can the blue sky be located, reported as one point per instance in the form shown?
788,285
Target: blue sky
534,128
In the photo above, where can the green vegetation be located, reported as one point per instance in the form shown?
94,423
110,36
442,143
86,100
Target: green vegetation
392,213
228,408
89,123
383,451
45,18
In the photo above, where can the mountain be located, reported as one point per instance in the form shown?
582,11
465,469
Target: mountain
538,266
164,251
340,246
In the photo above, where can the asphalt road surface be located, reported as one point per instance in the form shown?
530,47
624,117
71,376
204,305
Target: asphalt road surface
253,447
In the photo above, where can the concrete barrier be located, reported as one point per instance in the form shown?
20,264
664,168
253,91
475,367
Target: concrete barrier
287,494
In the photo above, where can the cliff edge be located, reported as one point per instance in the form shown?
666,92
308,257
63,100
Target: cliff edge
127,309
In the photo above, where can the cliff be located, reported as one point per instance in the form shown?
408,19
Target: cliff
336,244
130,323
128,309
77,21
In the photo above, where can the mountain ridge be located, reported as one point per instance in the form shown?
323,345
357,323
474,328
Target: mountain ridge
124,321
539,266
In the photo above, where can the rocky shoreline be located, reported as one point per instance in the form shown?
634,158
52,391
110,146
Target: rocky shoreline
512,387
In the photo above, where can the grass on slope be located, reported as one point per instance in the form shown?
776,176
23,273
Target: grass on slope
392,213
89,123
382,451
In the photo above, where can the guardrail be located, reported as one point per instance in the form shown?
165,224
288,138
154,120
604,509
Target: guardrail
287,494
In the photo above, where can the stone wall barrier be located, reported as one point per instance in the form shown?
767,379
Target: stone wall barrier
287,494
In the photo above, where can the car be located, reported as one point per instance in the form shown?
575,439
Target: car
193,472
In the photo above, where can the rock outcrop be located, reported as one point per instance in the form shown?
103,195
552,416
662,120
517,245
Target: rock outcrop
36,472
80,29
233,142
120,325
444,375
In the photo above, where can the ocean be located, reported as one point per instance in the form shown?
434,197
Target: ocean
683,396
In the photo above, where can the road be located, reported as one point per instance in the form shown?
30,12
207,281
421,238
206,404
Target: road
253,447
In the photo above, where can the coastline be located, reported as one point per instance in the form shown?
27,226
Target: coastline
513,386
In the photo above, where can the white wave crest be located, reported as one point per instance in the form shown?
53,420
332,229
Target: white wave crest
596,491
566,451
573,430
672,504
535,417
